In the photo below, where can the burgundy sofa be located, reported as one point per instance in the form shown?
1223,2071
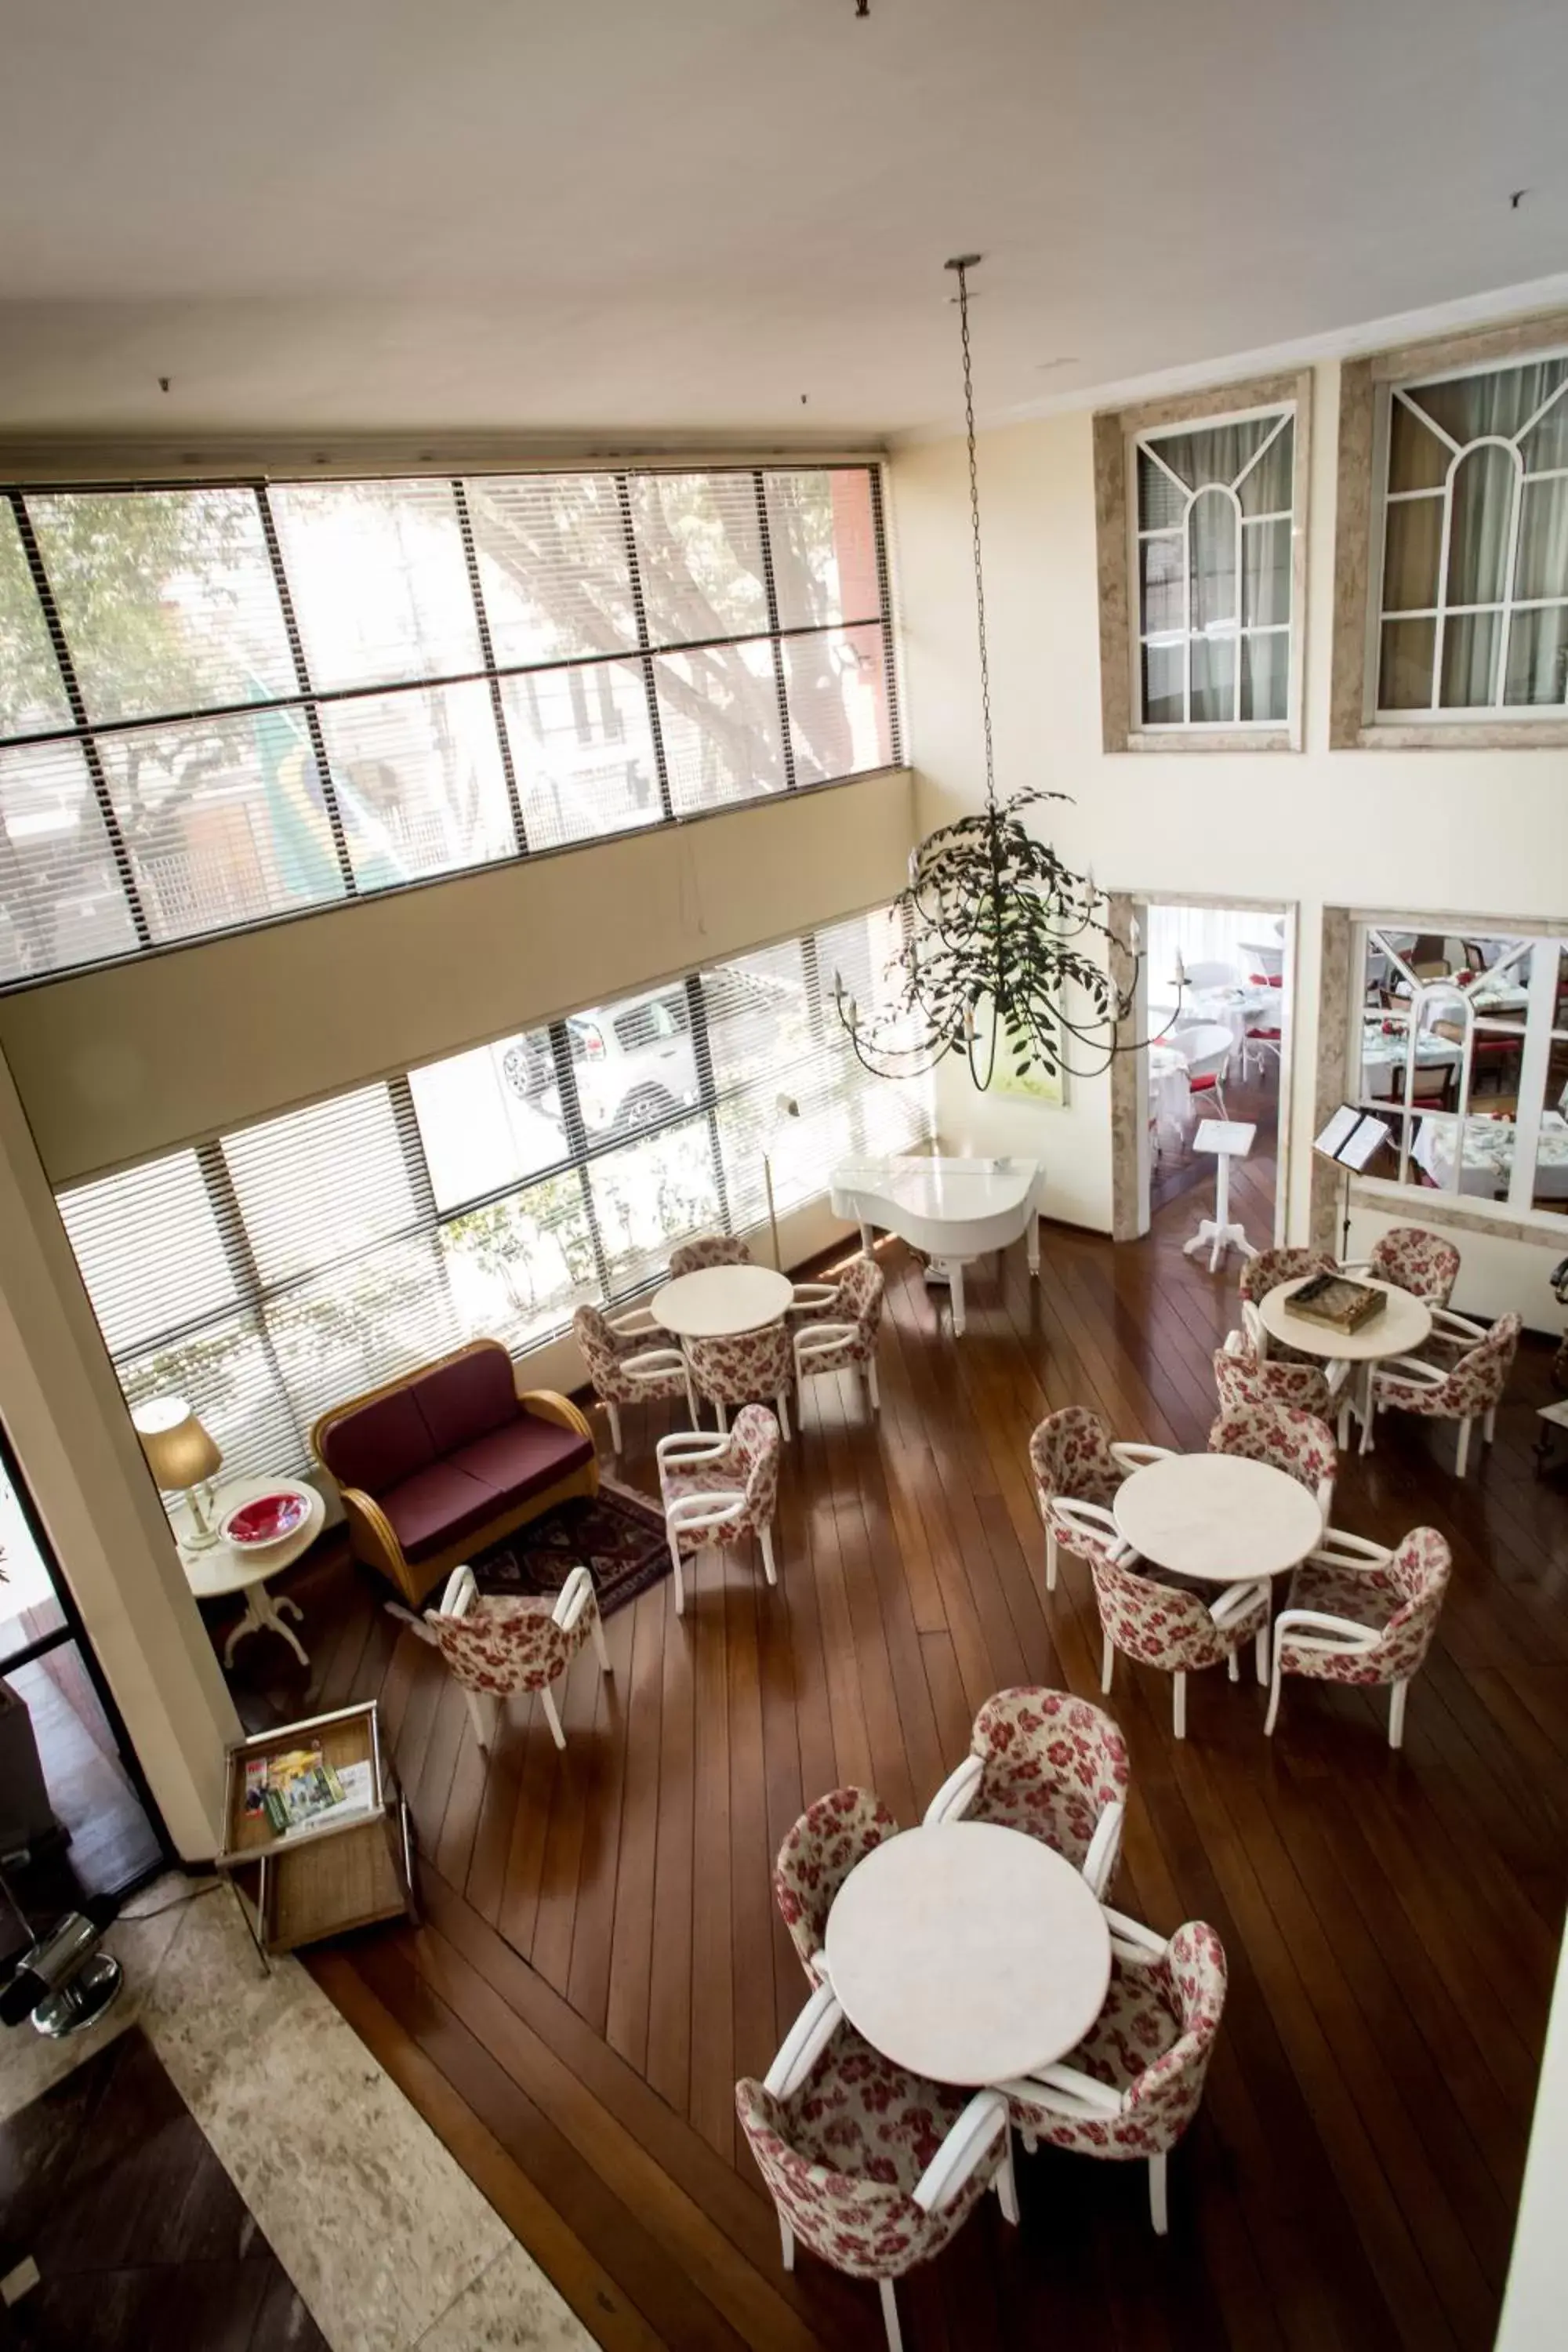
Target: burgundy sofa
434,1467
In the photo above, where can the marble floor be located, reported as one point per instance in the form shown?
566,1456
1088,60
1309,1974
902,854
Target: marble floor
389,2245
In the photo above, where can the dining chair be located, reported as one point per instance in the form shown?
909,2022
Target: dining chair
1286,1439
1246,1375
709,1249
1207,1049
1051,1765
847,1324
1078,1468
498,1643
1360,1612
742,1368
1203,976
1173,1628
872,2170
1413,1259
1133,2084
818,1855
1265,1272
630,1361
1467,1388
719,1490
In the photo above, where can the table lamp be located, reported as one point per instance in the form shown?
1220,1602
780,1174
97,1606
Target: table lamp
182,1458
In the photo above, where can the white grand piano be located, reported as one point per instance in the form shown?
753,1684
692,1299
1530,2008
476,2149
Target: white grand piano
954,1209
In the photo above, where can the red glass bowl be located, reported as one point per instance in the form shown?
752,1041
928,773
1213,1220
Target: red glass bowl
266,1521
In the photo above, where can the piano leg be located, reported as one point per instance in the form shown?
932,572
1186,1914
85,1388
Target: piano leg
868,1238
955,1277
1032,1244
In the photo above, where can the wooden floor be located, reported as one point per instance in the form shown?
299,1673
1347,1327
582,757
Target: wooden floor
600,1957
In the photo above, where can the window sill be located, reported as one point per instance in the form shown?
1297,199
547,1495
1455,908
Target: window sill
1210,738
1467,1212
1460,735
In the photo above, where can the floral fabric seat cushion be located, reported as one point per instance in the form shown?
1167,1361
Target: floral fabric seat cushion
1052,1764
738,1371
1167,1625
506,1643
1422,1262
749,1466
816,1857
1400,1602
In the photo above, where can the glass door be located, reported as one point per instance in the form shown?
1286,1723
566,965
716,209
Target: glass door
69,1786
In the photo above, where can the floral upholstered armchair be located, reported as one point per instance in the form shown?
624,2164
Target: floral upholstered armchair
1357,1613
1286,1438
721,1490
1135,2083
816,1857
1048,1764
1413,1260
1467,1388
1078,1470
1172,1627
709,1249
845,1323
630,1361
1248,1371
496,1643
1266,1271
871,2169
742,1368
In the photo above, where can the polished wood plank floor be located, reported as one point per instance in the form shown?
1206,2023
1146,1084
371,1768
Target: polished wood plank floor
600,1957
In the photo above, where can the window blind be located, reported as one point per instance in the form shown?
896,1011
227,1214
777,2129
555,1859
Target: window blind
278,1271
225,704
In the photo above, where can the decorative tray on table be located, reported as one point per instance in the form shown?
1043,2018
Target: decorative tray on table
1336,1300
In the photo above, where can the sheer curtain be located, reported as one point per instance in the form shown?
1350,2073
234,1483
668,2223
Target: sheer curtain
1205,935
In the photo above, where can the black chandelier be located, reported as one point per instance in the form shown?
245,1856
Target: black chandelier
998,931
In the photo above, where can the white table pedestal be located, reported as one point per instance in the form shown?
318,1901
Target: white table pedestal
1229,1139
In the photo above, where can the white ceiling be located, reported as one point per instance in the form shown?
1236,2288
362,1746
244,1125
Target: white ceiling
636,217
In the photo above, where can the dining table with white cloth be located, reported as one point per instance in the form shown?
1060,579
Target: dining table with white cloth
1487,1165
1383,1049
1236,1009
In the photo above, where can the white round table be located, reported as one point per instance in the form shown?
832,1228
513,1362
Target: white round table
1404,1325
221,1569
1218,1517
968,1952
718,1302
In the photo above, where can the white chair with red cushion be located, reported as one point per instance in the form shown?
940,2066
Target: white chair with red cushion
1078,1467
630,1361
1048,1764
1467,1388
497,1643
1286,1439
708,1249
719,1490
844,1328
1358,1612
1207,1049
1173,1628
871,2169
1135,2083
1264,1036
1245,1376
816,1856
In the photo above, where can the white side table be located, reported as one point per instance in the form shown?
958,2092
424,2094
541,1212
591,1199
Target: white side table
222,1568
1229,1139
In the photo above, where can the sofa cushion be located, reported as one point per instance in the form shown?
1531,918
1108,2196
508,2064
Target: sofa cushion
521,1460
465,1399
379,1444
436,1506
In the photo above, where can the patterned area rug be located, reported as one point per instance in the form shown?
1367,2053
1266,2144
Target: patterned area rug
617,1535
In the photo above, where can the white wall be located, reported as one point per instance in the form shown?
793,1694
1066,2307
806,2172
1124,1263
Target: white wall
1482,833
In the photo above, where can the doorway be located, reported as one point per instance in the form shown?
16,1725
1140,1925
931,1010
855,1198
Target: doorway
1216,990
83,1808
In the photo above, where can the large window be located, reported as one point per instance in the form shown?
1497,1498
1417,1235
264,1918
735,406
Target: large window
1463,1050
1475,543
222,705
1215,509
271,1273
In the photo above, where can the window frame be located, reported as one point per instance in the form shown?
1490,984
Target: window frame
641,655
1536,1027
1367,387
1117,436
249,1294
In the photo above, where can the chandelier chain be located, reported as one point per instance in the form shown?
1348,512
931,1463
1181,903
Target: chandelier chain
962,270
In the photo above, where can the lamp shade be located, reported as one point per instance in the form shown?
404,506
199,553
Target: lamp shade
180,1453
